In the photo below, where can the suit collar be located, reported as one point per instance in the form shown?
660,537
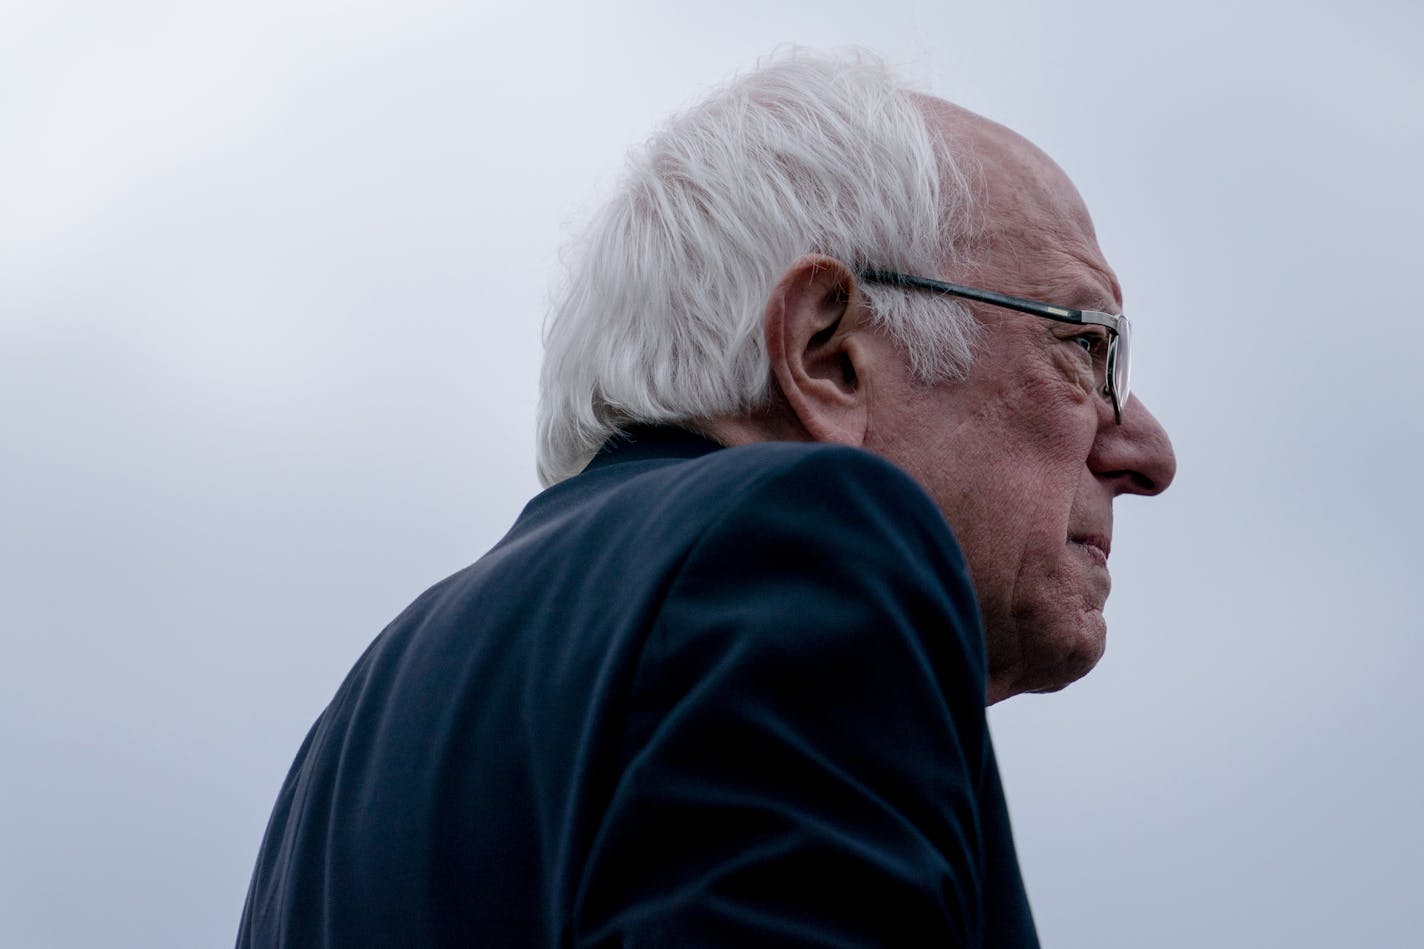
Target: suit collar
647,442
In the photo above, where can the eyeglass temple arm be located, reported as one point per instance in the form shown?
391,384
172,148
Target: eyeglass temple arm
1046,310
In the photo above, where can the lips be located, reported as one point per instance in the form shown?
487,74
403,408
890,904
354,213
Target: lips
1099,545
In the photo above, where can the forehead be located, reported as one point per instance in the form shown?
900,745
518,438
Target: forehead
1028,231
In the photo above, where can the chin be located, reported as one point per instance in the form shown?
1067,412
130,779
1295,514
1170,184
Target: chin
1081,655
1049,663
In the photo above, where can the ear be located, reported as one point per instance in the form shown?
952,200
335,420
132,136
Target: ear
811,325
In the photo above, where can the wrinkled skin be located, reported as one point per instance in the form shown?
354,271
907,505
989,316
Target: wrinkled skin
1024,456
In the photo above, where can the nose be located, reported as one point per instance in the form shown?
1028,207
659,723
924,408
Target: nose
1136,457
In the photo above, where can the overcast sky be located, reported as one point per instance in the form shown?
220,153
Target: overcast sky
271,282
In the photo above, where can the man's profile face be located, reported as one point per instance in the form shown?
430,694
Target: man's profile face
1024,455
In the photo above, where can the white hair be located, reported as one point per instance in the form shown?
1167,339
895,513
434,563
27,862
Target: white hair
660,318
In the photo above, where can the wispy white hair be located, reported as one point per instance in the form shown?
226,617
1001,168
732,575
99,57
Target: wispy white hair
660,318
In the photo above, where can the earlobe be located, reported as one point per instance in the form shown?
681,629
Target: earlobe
810,324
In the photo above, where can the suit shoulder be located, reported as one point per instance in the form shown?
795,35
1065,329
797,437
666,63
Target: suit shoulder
808,459
817,468
838,486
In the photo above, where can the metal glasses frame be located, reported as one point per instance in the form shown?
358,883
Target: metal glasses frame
1116,375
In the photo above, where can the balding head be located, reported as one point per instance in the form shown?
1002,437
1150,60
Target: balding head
1023,205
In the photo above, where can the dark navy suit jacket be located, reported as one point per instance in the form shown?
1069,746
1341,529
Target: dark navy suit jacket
696,697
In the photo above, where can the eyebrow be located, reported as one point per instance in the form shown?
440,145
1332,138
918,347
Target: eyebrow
1078,294
1087,293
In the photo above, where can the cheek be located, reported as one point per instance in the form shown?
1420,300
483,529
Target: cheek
1045,464
1014,480
1057,415
1043,471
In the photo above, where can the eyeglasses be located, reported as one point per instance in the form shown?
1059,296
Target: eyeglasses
1118,365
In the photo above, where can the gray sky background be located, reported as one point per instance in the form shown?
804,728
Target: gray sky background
271,282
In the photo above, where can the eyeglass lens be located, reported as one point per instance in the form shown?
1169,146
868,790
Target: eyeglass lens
1120,370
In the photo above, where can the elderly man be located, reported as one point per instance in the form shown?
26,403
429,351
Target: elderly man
824,480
